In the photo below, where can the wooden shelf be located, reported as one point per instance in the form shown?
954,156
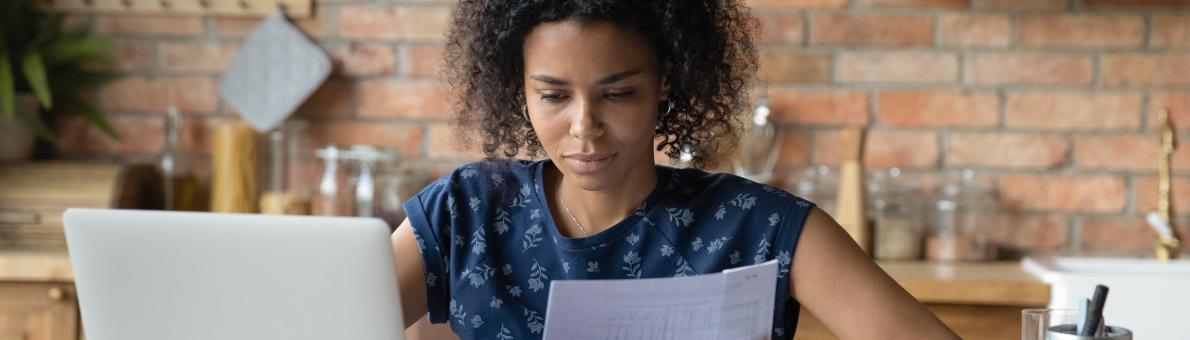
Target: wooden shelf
293,8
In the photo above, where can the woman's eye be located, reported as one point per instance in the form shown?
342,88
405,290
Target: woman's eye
619,95
553,97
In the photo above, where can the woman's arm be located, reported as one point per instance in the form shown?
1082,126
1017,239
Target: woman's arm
411,276
849,293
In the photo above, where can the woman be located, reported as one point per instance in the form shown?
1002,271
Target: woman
593,85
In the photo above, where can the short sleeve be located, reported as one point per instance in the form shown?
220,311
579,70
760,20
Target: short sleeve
784,246
430,214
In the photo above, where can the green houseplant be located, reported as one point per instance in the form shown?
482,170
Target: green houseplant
46,68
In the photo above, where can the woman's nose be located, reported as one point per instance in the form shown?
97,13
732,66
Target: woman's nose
587,123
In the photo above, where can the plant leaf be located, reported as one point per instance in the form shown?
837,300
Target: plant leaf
7,88
70,50
33,122
35,75
76,104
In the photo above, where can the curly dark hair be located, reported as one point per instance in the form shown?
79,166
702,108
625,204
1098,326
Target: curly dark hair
704,48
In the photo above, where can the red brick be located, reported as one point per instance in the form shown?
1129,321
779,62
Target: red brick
364,59
1073,111
1123,236
1029,68
898,67
938,108
240,27
1091,194
410,23
133,55
796,4
1081,30
421,60
945,4
140,134
1146,196
795,67
795,148
1170,30
1135,3
392,99
1116,152
871,29
883,148
974,30
780,28
1025,232
1178,103
332,100
149,24
406,138
1145,69
1022,5
197,56
444,143
1010,150
819,107
135,93
1125,152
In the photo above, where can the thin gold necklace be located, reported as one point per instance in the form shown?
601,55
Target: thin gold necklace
572,218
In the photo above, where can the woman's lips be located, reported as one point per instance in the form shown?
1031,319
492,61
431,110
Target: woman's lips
588,163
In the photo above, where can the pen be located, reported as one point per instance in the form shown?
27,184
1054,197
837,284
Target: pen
1095,313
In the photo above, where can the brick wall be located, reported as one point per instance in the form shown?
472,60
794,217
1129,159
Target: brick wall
1054,100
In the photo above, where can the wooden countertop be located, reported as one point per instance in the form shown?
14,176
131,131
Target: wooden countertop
977,283
39,266
980,283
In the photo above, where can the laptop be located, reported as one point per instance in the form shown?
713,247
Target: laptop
186,275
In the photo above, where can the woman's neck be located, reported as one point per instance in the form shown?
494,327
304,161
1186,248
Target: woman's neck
597,210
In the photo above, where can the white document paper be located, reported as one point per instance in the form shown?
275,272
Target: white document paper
735,304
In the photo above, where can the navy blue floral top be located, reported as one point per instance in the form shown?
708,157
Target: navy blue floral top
490,246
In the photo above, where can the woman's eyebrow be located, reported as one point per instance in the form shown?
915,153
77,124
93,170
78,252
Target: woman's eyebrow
604,81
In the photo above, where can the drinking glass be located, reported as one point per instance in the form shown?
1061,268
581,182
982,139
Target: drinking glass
1035,321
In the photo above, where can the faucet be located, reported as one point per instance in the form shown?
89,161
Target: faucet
1167,241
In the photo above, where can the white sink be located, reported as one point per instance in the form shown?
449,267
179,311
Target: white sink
1148,297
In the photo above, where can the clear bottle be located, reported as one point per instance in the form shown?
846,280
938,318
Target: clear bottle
330,199
759,146
180,187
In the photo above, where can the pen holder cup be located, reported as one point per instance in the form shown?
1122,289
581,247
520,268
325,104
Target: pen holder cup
1066,332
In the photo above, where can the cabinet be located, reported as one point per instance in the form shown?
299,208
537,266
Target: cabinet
38,311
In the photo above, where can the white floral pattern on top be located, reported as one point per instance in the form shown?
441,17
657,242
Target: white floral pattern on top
492,275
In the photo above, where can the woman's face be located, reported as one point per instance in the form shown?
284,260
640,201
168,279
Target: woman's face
592,91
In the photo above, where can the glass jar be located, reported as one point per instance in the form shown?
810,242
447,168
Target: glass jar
287,189
898,226
959,230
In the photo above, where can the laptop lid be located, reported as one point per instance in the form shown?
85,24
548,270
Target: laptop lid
186,275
